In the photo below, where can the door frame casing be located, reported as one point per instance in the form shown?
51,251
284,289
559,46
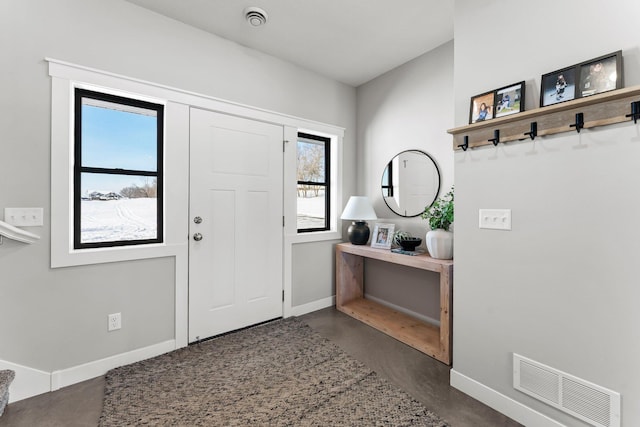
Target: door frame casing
67,75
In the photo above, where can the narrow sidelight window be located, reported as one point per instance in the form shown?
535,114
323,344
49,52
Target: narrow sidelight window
117,171
313,201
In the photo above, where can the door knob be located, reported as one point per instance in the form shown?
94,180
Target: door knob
197,237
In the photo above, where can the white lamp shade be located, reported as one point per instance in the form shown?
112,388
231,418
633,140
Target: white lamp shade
358,209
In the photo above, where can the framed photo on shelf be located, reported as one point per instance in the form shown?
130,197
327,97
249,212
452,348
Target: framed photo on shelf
558,86
482,107
382,236
601,74
588,78
509,99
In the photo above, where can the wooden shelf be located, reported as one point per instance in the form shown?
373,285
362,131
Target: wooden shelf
598,110
432,340
417,334
422,261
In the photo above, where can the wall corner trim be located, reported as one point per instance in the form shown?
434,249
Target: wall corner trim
299,310
28,381
501,403
86,371
31,382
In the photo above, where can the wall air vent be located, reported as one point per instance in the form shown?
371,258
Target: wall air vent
591,403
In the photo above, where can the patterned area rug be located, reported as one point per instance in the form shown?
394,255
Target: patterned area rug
278,374
6,378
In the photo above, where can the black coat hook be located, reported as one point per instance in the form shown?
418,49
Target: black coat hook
579,124
496,137
466,143
635,111
534,131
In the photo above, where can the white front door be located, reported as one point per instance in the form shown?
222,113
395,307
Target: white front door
235,249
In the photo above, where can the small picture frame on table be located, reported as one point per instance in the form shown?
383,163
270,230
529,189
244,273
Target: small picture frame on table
601,74
558,86
382,236
510,99
482,107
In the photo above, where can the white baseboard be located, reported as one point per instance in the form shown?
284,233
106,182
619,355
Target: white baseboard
76,374
397,308
299,310
28,381
501,403
31,382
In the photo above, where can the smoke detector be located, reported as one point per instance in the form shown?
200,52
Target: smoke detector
255,16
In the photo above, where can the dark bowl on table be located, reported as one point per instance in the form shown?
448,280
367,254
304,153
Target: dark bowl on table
410,243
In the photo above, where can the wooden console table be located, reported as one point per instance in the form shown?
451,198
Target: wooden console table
432,340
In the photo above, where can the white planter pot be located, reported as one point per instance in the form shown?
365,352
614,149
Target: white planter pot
440,244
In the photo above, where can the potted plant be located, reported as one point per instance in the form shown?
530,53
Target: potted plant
440,216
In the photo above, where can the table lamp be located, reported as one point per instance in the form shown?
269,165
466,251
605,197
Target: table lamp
358,210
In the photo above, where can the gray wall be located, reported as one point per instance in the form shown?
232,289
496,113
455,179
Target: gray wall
54,319
314,272
410,107
561,287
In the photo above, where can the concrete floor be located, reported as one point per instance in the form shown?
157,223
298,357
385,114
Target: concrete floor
424,378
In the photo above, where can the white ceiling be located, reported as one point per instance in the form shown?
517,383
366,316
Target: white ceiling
352,41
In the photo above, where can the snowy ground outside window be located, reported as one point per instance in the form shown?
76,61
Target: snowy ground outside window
135,219
116,220
311,212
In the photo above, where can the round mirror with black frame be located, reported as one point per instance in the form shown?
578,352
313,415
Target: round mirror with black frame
410,182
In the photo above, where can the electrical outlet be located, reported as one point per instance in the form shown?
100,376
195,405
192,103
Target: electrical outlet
115,322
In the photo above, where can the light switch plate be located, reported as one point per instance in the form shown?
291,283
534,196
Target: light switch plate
495,219
23,217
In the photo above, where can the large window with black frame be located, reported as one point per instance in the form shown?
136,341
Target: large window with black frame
117,171
313,201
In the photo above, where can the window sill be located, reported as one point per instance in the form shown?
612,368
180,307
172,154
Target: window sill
114,254
314,236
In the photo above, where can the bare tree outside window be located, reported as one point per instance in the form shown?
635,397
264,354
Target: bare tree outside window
149,189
